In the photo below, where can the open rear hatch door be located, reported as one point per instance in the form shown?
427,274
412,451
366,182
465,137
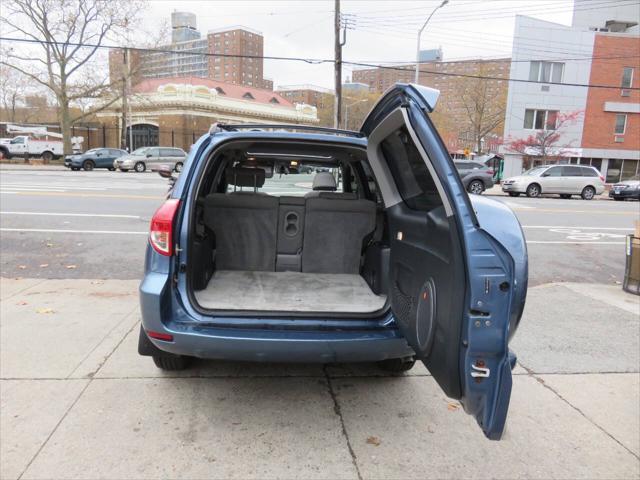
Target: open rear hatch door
455,290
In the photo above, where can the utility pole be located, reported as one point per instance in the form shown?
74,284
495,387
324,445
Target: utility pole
337,65
123,132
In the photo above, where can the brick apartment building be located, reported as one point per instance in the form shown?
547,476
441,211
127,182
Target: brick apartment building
194,59
319,97
456,132
605,47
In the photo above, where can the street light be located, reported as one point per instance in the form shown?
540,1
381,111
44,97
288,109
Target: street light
346,112
444,2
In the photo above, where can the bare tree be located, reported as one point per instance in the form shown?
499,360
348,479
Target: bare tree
12,92
484,103
67,36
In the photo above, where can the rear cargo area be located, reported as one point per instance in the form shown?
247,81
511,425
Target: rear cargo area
289,291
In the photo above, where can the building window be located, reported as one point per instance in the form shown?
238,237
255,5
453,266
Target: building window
274,100
627,77
248,96
546,72
621,123
540,119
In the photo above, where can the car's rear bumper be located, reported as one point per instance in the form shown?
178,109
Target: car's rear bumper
194,338
626,193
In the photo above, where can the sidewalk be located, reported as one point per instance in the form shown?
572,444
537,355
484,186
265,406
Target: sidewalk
78,402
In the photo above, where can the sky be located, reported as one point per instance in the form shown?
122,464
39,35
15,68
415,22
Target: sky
381,32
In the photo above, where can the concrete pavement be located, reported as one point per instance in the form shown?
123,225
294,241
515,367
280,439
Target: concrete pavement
78,402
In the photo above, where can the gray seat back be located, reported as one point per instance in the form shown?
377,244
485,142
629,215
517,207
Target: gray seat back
336,225
245,225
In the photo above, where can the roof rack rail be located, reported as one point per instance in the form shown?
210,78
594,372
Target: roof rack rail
259,126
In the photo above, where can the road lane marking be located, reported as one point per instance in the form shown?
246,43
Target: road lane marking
52,214
581,228
87,195
574,243
49,230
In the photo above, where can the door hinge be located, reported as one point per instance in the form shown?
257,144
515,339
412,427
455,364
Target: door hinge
480,372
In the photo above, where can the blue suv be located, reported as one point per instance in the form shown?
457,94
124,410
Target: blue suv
385,259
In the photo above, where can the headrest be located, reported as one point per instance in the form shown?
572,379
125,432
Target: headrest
324,181
245,177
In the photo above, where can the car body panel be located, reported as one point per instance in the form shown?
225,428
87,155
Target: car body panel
470,170
152,158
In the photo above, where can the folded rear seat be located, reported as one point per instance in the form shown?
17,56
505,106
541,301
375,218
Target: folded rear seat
245,223
336,225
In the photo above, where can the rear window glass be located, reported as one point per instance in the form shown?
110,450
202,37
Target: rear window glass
410,172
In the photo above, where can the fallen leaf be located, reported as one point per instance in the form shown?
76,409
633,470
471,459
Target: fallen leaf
22,302
452,407
374,441
44,265
44,310
22,267
70,267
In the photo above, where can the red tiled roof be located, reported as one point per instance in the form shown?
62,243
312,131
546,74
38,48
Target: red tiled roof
231,90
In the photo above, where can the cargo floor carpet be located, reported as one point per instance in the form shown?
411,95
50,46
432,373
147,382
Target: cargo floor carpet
289,291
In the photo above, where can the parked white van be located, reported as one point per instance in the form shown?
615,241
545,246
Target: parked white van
564,180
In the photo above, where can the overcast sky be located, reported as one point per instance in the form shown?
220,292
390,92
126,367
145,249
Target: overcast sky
383,31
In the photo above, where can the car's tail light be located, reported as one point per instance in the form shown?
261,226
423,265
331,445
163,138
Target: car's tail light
161,231
601,178
490,172
160,336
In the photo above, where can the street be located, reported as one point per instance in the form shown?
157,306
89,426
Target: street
63,224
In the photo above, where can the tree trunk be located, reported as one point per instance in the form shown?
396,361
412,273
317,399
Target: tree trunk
65,125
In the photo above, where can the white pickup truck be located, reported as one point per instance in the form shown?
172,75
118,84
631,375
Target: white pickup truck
33,147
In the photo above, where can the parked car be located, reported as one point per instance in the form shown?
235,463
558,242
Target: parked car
407,267
475,176
564,180
146,157
94,158
626,189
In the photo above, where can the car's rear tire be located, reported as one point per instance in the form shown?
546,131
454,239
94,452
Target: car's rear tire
140,167
88,165
476,187
565,195
397,365
178,167
47,156
169,361
588,193
533,190
514,194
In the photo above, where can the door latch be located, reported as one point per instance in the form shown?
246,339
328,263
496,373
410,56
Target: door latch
480,372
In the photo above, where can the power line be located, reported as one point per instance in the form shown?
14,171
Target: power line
307,60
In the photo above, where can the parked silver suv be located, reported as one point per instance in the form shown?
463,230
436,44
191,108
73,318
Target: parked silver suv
147,157
564,180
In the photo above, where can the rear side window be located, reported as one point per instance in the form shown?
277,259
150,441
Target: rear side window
409,171
166,152
553,172
176,152
572,171
589,172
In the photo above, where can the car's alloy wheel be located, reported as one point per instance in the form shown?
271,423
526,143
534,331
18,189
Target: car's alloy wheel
140,167
533,190
178,167
588,193
88,165
476,187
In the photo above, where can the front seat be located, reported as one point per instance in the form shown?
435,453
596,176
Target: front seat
322,182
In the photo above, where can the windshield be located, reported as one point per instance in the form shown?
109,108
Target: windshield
140,151
534,172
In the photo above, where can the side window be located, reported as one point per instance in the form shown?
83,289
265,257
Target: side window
409,171
589,172
177,152
572,171
554,172
154,152
166,152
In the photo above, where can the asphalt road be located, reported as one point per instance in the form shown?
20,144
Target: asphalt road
63,224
